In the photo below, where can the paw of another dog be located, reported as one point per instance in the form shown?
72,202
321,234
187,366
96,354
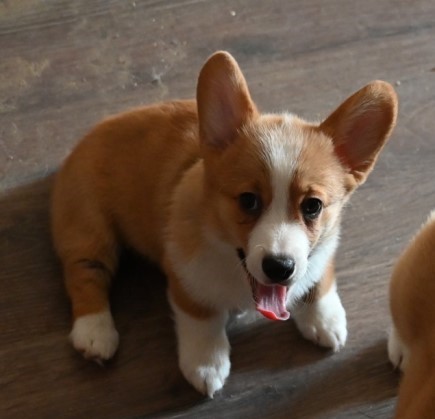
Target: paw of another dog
206,369
95,336
397,351
323,322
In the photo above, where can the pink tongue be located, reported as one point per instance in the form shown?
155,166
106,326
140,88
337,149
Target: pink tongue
271,301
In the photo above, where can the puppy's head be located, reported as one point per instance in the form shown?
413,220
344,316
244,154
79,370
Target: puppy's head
275,184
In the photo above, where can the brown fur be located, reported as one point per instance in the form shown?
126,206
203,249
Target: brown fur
412,296
128,178
109,203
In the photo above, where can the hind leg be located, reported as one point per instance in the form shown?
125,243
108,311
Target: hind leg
93,333
88,251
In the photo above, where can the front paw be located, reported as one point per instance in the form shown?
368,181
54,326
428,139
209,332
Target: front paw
203,349
95,336
206,373
323,321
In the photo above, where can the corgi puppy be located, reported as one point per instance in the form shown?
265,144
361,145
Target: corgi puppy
411,345
240,209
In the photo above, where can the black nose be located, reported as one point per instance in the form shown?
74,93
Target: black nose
278,268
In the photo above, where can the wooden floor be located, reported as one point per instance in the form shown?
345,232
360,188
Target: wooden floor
65,64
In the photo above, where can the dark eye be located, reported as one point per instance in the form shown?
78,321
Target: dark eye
311,208
250,202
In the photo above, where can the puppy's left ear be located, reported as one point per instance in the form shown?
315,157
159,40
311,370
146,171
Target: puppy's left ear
360,127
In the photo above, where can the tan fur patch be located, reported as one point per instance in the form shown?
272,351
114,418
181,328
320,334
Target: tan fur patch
88,289
183,299
318,174
236,170
323,286
412,293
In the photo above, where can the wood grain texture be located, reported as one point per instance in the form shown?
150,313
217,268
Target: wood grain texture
66,64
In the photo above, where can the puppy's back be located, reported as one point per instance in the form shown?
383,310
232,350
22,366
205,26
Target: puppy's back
124,171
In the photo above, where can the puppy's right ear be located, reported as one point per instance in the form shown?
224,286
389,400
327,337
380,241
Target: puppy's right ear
360,127
224,102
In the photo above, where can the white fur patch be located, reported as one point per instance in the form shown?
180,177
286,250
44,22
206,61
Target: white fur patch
203,350
282,145
275,234
95,336
215,276
323,321
398,353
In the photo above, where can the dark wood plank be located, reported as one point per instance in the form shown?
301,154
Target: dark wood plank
64,65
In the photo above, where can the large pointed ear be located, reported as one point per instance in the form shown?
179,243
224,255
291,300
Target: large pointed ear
224,102
360,127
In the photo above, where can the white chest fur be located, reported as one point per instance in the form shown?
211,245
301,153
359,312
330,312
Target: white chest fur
214,277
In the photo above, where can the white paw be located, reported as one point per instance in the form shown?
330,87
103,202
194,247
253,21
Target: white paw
324,321
206,372
95,336
203,350
398,353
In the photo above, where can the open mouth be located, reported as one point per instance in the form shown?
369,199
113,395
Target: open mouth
270,300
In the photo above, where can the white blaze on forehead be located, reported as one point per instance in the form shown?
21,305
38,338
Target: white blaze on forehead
275,233
281,146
